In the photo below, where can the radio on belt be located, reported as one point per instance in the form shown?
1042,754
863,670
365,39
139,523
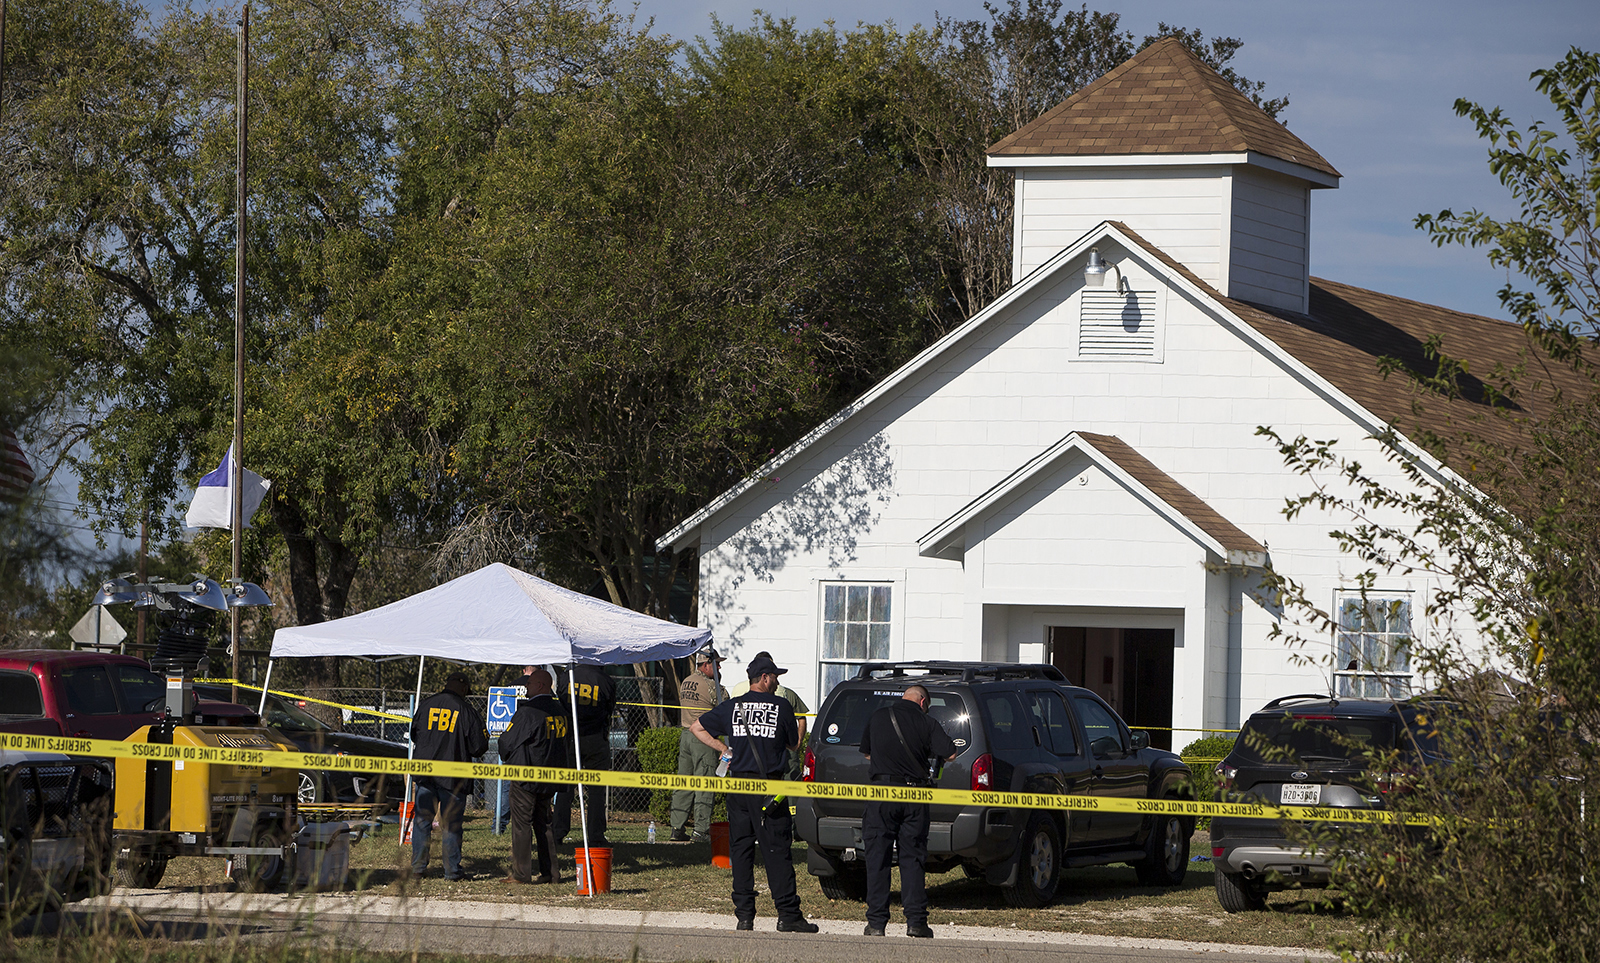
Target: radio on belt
185,807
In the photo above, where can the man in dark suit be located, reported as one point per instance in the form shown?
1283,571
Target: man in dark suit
445,728
596,695
539,735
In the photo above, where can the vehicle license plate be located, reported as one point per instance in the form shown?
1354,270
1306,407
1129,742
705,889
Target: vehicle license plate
1295,794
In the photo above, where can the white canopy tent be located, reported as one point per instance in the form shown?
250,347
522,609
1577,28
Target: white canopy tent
496,615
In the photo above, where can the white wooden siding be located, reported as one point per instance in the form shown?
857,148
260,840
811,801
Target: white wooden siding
854,507
1181,210
1269,257
1241,229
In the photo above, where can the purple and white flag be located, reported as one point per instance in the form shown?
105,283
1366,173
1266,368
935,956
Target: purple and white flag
213,497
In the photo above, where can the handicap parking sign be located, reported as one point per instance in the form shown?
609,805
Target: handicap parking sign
502,706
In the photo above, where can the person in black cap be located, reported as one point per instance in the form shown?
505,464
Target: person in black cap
445,728
759,729
538,736
596,695
901,742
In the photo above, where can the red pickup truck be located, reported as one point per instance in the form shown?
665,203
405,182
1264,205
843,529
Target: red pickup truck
93,695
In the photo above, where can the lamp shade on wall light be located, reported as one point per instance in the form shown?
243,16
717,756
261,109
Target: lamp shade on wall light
1094,275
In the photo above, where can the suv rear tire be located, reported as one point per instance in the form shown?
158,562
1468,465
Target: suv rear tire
1237,895
1038,864
1166,858
850,884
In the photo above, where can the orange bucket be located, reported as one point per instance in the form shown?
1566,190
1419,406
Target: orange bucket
597,858
719,846
406,809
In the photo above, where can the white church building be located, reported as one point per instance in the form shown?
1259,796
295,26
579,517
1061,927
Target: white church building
1075,475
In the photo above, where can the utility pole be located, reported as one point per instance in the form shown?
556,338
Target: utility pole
241,114
2,59
144,574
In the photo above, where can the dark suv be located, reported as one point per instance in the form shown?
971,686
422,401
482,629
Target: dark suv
310,734
1019,728
1306,750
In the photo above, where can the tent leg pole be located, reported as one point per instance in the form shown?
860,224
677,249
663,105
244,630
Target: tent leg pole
411,753
577,763
266,684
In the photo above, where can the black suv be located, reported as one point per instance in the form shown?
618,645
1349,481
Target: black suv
1306,750
1019,728
310,734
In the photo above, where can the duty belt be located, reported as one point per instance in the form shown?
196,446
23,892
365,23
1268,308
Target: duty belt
903,781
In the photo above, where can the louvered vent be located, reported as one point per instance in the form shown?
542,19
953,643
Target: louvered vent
1112,324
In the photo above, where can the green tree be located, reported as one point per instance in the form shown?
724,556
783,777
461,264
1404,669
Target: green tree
1511,648
118,254
678,276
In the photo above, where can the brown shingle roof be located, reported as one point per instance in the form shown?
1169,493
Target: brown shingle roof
1163,101
1166,488
1349,329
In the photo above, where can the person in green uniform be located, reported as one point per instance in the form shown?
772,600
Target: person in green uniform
697,693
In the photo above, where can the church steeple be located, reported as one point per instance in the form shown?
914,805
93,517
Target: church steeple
1167,145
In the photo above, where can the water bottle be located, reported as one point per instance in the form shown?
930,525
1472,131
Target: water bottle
727,760
650,834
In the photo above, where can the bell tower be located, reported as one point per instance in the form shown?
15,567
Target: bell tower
1166,145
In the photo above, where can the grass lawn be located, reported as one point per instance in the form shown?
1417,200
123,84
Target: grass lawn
679,877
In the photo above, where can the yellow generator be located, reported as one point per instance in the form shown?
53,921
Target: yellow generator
186,808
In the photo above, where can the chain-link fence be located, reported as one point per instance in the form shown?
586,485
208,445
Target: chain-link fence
639,707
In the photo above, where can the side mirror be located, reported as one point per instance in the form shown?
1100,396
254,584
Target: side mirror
1141,740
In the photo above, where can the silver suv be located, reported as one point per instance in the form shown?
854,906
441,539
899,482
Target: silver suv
1019,728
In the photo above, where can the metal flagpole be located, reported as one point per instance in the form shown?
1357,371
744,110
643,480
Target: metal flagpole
242,117
2,58
577,763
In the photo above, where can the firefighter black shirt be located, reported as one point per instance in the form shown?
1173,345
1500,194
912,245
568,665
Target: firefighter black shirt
447,728
904,761
597,699
759,728
538,736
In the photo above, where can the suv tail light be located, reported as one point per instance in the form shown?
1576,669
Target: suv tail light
982,773
808,769
1225,775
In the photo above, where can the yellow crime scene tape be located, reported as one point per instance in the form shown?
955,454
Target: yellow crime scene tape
872,792
305,698
652,705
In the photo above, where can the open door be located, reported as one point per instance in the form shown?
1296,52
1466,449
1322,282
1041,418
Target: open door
1147,682
1131,669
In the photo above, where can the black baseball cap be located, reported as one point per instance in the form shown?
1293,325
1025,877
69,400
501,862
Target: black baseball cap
457,676
762,664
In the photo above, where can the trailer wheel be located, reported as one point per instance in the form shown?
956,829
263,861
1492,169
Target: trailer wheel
136,870
258,874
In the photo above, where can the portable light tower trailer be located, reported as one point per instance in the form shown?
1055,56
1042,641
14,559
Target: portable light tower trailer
167,808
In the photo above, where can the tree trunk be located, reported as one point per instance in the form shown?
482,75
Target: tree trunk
311,605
